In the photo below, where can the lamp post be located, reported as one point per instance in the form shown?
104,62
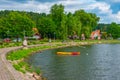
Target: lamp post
24,33
8,33
49,38
54,36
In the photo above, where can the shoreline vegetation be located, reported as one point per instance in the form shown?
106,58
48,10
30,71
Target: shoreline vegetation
17,57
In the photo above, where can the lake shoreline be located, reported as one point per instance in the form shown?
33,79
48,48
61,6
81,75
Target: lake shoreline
67,44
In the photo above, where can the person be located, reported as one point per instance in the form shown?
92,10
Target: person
83,36
50,40
25,43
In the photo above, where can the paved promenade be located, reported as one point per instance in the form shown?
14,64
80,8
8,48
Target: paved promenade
7,72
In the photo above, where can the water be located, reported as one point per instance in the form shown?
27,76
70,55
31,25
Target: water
96,62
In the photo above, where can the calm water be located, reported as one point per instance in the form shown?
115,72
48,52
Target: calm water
96,62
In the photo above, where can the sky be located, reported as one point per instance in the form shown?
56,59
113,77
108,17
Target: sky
107,10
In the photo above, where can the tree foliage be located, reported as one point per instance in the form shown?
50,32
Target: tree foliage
57,23
114,30
15,23
46,27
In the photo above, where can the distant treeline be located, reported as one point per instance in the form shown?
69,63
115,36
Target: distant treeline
57,24
109,30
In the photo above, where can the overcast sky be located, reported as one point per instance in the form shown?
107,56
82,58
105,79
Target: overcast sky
107,10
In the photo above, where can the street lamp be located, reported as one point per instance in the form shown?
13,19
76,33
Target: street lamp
49,38
54,36
8,33
24,33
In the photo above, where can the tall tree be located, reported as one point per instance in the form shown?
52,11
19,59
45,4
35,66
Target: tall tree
59,17
73,24
46,27
88,20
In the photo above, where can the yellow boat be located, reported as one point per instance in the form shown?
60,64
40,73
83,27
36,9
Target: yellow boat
68,53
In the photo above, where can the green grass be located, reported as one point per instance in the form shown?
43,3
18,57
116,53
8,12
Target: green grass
19,67
12,44
21,54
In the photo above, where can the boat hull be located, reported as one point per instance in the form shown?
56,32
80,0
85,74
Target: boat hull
68,53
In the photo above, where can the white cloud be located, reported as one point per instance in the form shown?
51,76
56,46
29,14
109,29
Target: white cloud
103,7
116,17
70,6
29,6
70,2
73,5
111,18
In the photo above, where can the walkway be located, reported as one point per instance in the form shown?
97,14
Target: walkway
7,72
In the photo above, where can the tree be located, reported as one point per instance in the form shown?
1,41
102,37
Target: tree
16,23
46,27
57,23
73,24
88,21
59,18
114,30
